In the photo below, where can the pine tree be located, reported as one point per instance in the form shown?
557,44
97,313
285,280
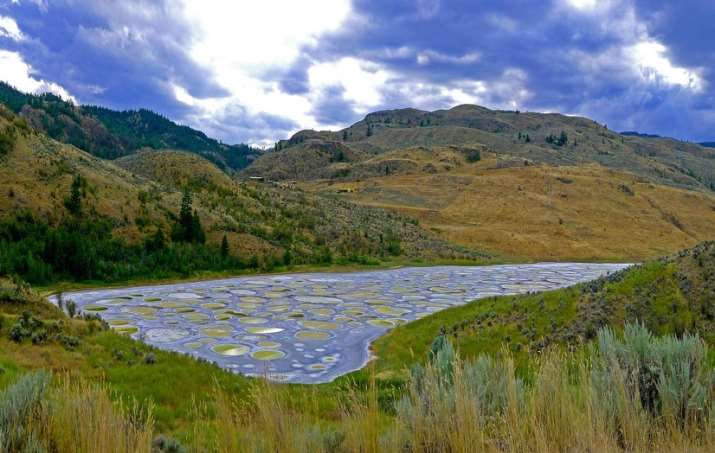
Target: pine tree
224,247
185,217
197,231
74,202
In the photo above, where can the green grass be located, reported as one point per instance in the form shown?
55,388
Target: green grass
668,296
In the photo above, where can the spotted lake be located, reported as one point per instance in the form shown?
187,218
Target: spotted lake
310,327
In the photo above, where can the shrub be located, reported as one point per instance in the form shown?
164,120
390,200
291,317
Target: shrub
7,141
16,404
163,444
473,155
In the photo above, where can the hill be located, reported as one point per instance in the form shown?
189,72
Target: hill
550,139
130,207
528,185
536,212
671,295
110,134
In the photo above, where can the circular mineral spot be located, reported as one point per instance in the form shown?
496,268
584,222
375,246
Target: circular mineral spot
152,299
185,310
93,308
381,323
143,311
268,344
320,325
172,304
252,300
223,317
185,296
268,354
118,322
378,302
390,311
316,367
196,317
252,320
230,349
313,335
263,330
318,300
193,345
213,305
323,312
160,335
243,292
218,331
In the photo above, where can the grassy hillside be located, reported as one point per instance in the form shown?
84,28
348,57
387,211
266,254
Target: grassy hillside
136,210
110,134
672,295
627,390
536,212
551,139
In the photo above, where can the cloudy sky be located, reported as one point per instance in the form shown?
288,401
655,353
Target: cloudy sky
256,71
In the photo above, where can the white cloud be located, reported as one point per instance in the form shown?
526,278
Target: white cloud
19,74
361,81
9,29
429,56
651,58
241,42
583,4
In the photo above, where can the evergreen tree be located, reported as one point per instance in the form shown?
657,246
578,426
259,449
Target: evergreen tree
224,247
197,231
186,219
74,202
563,139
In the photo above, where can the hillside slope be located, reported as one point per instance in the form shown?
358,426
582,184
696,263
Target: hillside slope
260,223
551,139
537,212
670,295
110,134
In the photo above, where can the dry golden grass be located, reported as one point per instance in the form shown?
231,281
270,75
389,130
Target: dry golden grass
541,212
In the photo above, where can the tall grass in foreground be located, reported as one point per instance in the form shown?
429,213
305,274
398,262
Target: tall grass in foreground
631,392
69,417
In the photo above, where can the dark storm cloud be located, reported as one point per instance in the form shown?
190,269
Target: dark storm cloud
530,54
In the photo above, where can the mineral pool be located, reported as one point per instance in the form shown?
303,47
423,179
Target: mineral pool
312,327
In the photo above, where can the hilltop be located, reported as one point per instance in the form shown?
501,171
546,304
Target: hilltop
548,139
529,185
110,134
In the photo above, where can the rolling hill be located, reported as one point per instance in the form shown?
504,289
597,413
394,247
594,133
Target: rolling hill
141,194
505,182
549,139
110,134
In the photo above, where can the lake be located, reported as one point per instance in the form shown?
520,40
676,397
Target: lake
308,327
